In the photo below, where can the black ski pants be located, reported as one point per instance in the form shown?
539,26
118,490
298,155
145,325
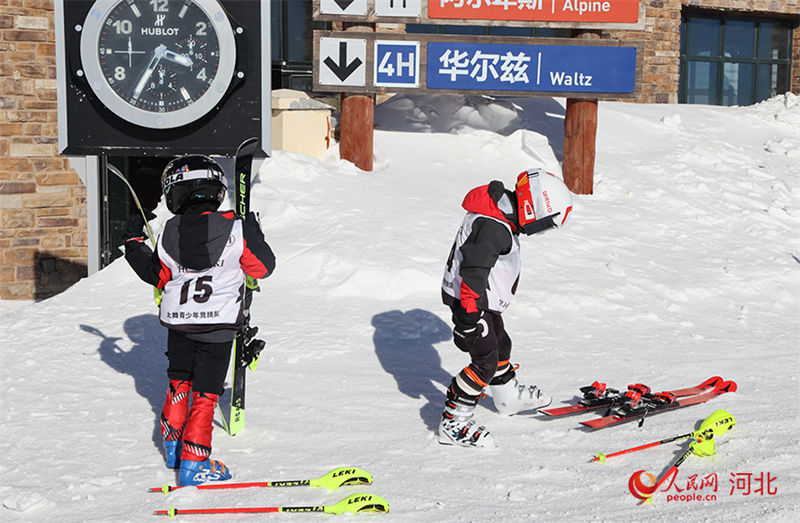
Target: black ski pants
492,348
204,364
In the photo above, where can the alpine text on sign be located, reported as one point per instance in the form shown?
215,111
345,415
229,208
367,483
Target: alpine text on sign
578,14
476,64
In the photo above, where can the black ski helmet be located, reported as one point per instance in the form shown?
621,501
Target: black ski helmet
193,179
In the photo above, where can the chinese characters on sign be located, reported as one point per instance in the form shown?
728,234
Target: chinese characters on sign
548,68
608,11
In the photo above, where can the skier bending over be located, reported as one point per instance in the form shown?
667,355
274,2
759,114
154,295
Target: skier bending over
479,281
200,262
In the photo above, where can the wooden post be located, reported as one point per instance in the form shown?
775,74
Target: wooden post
357,118
580,130
356,122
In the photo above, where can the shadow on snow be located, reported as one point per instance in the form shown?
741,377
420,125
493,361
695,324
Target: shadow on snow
449,113
146,361
404,343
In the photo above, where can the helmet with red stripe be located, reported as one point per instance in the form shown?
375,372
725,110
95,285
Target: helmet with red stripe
543,201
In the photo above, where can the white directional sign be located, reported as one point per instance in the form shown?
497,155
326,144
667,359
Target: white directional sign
396,63
411,8
343,7
342,61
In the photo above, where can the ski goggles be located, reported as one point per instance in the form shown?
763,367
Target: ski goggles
531,208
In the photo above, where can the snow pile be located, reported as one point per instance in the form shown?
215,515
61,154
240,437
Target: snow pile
684,264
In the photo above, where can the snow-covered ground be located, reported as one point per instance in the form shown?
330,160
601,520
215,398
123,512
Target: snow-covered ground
683,264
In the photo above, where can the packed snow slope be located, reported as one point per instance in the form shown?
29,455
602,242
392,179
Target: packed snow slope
684,264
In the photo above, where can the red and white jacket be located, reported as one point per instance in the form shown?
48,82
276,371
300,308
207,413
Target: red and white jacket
483,268
201,262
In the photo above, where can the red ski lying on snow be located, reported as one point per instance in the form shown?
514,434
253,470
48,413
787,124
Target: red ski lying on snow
646,407
597,396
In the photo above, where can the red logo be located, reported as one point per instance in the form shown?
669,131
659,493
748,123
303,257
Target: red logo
642,485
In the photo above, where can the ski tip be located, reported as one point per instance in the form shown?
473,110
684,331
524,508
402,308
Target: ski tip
247,145
712,382
728,386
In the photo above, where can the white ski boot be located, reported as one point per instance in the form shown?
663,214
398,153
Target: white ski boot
511,397
457,426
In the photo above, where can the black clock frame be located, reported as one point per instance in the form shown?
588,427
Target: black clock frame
89,128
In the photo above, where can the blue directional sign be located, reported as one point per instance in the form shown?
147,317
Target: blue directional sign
519,67
498,65
396,63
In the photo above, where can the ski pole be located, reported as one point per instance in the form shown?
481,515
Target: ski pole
332,480
715,425
119,175
354,504
601,457
116,172
644,492
718,423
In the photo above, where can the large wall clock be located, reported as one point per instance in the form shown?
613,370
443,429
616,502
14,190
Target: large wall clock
158,64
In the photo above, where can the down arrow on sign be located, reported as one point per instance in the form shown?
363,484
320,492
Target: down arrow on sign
343,4
348,70
342,7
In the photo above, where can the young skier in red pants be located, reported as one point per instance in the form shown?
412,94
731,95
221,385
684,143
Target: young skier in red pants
200,263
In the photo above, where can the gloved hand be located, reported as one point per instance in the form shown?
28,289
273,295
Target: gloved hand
252,224
251,227
467,330
134,229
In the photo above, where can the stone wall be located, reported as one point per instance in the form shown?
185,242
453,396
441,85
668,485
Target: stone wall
42,202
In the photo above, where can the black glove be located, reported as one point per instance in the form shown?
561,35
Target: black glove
251,225
134,229
466,331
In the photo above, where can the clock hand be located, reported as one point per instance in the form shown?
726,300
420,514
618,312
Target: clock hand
158,54
180,59
130,52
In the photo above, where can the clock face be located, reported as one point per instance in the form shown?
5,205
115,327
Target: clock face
158,63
